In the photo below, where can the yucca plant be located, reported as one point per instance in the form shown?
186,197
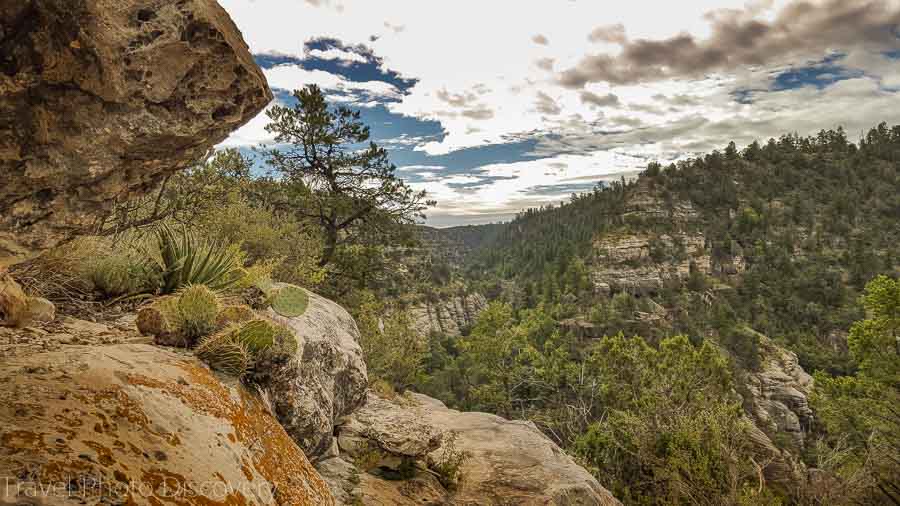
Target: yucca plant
187,259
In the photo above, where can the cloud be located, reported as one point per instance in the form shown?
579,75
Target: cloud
606,100
337,54
546,105
291,77
667,86
478,113
545,64
739,39
611,33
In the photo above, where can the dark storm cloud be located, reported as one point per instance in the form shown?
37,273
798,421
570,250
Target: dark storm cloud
801,28
607,100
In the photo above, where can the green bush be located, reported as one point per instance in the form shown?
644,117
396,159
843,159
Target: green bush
117,269
448,465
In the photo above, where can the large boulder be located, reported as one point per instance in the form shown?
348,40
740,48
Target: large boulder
326,381
507,462
137,424
100,99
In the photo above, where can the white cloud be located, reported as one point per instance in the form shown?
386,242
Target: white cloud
337,54
291,77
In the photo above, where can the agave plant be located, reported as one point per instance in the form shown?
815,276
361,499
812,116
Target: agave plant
187,259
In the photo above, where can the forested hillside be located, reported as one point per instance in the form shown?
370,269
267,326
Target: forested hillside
726,266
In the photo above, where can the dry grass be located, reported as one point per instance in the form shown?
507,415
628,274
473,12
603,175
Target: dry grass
58,276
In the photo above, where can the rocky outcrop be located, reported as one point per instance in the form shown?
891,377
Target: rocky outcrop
137,424
99,99
326,381
507,462
641,264
451,316
777,394
644,203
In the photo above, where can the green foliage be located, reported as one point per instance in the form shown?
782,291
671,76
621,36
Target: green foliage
859,413
393,349
351,191
185,258
195,312
260,336
448,464
673,434
289,301
115,268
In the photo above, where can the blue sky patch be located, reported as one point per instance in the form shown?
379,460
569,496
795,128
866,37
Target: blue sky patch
820,74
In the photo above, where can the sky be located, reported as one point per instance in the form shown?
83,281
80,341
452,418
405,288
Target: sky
494,106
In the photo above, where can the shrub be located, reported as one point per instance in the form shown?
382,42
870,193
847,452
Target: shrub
449,465
197,311
118,268
187,259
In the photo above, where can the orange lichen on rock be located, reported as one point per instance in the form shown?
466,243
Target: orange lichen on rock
137,424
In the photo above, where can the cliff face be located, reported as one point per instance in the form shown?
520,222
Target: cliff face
778,394
641,264
101,98
451,316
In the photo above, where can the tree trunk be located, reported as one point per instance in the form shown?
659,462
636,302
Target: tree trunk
330,246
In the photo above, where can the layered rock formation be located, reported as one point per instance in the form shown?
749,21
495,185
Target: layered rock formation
778,394
137,424
326,381
641,264
507,462
101,98
451,316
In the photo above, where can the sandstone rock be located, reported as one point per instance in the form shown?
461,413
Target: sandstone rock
778,394
13,302
41,310
19,310
395,434
509,462
625,263
137,424
99,99
450,316
325,382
